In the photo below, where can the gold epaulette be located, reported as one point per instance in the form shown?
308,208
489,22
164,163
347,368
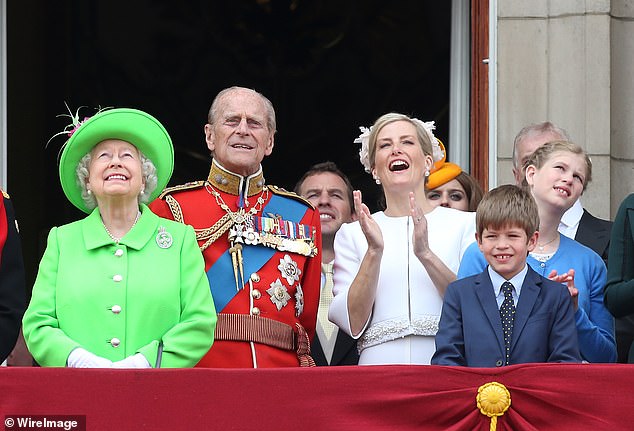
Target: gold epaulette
5,194
283,192
187,186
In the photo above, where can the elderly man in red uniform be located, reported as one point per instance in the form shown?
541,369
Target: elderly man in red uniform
262,245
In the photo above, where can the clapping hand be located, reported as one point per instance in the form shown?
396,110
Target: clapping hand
369,227
569,279
419,238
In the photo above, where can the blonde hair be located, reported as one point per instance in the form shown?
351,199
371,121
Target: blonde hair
545,152
384,120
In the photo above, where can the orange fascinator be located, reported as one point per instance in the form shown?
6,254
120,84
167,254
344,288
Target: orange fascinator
443,171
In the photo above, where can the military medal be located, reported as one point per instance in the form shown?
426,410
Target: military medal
289,270
284,235
279,294
299,301
239,225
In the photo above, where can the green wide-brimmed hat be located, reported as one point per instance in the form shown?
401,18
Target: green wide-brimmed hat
139,128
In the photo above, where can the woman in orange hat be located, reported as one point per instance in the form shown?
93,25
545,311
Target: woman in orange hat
449,186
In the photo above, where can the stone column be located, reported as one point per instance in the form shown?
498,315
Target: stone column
554,64
622,101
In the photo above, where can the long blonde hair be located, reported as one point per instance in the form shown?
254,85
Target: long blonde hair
545,152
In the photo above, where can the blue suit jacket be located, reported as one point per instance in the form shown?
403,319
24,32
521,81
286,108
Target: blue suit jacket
470,329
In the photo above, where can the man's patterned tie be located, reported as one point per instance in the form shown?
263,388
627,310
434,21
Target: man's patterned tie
507,313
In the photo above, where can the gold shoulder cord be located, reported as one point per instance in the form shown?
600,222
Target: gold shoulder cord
175,208
210,234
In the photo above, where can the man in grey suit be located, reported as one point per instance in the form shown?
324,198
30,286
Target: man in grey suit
330,191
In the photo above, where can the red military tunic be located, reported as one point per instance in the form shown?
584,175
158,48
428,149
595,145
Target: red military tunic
265,288
12,281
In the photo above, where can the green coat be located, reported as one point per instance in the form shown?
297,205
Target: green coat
118,300
619,290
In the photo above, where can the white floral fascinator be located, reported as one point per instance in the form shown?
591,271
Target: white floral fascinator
364,152
429,127
364,139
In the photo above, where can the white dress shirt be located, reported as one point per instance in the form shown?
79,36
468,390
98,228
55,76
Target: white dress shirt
569,222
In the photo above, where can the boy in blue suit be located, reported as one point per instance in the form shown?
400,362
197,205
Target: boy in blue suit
485,322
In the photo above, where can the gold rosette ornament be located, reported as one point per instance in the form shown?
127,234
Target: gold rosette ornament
493,400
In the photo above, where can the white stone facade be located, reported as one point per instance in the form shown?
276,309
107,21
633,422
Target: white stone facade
570,62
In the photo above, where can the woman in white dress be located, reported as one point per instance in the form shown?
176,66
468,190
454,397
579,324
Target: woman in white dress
392,267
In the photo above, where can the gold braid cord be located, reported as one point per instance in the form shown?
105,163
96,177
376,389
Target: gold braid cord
175,208
210,234
493,400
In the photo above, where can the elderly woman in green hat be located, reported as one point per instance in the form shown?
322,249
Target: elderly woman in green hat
122,287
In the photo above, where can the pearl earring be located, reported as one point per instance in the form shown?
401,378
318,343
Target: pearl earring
378,181
427,173
89,192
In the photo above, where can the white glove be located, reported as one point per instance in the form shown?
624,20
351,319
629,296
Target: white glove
134,361
82,358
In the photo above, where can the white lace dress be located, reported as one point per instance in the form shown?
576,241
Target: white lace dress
407,305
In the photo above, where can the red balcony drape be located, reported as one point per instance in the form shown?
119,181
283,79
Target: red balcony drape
543,397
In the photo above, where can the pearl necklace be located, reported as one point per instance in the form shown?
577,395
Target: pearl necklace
114,238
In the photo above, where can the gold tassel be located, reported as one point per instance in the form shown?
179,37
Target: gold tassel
303,347
238,248
234,262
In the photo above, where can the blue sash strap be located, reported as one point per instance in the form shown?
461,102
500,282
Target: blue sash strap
220,274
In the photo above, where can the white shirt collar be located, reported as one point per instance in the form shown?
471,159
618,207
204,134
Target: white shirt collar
569,222
517,281
572,217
